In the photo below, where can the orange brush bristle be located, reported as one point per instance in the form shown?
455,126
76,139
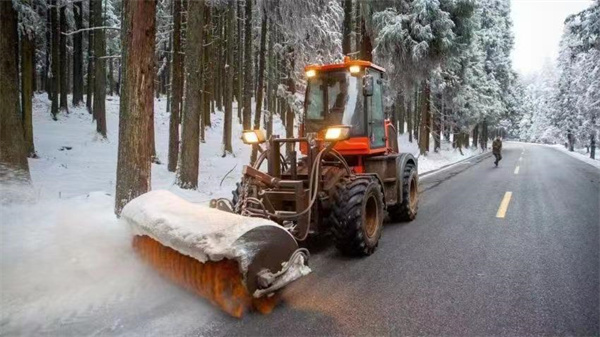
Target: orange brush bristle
220,282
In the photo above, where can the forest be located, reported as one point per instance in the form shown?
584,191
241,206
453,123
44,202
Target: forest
449,74
562,103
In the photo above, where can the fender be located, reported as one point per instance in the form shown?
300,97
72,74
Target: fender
401,161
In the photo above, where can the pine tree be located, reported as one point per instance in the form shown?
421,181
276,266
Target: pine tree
13,152
64,57
55,60
78,55
188,168
137,103
247,113
89,99
29,19
99,109
227,148
261,79
347,28
176,88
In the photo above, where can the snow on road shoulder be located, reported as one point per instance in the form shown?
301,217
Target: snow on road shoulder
580,154
435,160
69,263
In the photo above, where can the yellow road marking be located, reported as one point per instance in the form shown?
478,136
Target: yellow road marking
504,205
517,170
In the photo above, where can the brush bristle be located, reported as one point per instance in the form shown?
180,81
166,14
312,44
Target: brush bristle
220,282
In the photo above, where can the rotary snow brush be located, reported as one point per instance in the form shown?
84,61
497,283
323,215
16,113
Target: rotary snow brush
237,263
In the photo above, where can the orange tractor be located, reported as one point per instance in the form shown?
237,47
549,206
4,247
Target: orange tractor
350,172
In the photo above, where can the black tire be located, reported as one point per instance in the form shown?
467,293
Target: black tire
407,209
357,215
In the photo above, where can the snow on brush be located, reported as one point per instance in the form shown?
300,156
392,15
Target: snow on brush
196,230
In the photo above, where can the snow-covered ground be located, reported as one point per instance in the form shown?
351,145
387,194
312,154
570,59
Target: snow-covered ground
581,154
65,254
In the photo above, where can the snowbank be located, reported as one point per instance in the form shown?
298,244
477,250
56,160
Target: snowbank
434,160
69,263
581,155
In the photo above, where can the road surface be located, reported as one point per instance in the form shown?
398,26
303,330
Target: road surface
512,250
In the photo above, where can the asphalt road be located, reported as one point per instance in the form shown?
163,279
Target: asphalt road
457,269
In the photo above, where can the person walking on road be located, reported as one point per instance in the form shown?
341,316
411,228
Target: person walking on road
497,150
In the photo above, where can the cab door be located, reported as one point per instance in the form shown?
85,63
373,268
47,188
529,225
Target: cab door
376,115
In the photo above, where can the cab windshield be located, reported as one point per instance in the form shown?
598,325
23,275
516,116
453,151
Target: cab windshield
335,98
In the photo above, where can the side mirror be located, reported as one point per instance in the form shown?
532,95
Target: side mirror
368,85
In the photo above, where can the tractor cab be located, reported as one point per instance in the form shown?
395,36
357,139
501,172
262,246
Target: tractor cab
348,95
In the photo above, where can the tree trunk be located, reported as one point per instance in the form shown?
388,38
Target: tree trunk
90,57
78,55
425,119
401,112
261,80
111,80
176,88
417,117
268,115
64,57
484,135
347,27
240,64
46,77
366,51
475,135
99,70
55,59
227,148
437,124
247,113
289,115
571,139
357,27
219,60
593,145
27,55
409,119
188,170
13,151
137,105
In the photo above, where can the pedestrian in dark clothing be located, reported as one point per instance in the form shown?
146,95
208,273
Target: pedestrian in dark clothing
497,150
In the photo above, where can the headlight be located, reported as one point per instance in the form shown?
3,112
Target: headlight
253,137
354,69
341,132
311,73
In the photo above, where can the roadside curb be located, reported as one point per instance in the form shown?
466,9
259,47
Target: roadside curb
481,155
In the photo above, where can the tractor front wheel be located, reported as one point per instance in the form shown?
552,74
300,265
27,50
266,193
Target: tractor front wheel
357,215
407,209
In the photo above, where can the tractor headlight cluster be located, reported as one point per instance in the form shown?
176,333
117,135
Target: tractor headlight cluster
253,137
354,69
337,133
311,73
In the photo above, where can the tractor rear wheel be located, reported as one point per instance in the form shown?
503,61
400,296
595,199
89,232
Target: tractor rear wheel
357,215
407,209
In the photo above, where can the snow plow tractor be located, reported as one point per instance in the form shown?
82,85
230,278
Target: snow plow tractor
348,173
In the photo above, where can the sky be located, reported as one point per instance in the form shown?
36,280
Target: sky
538,26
